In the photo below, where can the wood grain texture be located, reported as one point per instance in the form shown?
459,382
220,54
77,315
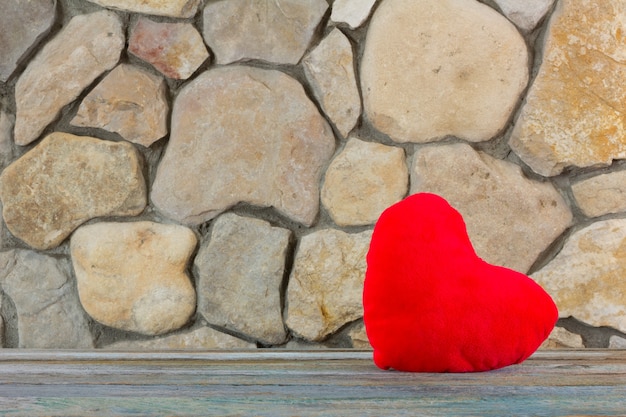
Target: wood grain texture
285,383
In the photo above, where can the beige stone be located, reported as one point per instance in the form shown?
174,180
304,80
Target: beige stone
359,338
175,49
273,31
586,278
66,180
200,339
88,46
170,8
561,338
240,273
330,71
501,207
602,194
616,342
362,181
433,68
246,135
326,283
131,276
573,113
525,14
129,101
352,12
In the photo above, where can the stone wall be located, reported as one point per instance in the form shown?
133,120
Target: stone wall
206,174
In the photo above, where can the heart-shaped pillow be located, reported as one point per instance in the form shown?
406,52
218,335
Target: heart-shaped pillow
432,305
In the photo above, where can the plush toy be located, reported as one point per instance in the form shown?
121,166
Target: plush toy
432,305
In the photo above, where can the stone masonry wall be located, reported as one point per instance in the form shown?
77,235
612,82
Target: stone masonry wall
206,174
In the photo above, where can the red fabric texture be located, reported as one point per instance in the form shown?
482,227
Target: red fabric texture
432,305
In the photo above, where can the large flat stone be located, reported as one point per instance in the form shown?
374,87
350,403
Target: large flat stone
170,8
574,112
242,134
131,276
88,46
433,68
510,218
601,194
66,180
203,338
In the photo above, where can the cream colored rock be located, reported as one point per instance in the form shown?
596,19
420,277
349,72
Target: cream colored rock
573,113
501,207
270,30
561,338
359,338
330,71
616,342
326,283
525,13
175,49
200,339
433,68
352,12
66,180
129,101
240,273
131,276
362,181
246,135
586,278
170,8
88,46
602,194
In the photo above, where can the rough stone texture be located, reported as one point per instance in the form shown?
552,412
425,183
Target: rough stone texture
48,311
131,276
426,71
273,31
602,194
561,338
326,283
240,273
202,338
359,339
171,8
242,134
85,48
44,199
175,49
352,12
330,71
22,25
499,204
362,181
525,14
573,113
616,342
586,279
129,101
6,138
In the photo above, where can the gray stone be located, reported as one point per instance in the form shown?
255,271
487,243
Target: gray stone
275,31
269,152
573,112
359,338
48,311
602,194
131,276
326,284
616,342
240,273
352,12
170,8
501,207
362,181
22,25
200,339
330,71
175,49
44,199
129,101
6,138
434,68
525,14
560,338
586,278
88,46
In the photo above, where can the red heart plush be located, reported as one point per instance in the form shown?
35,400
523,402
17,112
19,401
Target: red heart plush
432,305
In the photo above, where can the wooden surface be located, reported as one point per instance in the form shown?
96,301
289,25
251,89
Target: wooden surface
312,383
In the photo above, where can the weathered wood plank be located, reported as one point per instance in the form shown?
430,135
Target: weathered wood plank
283,383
